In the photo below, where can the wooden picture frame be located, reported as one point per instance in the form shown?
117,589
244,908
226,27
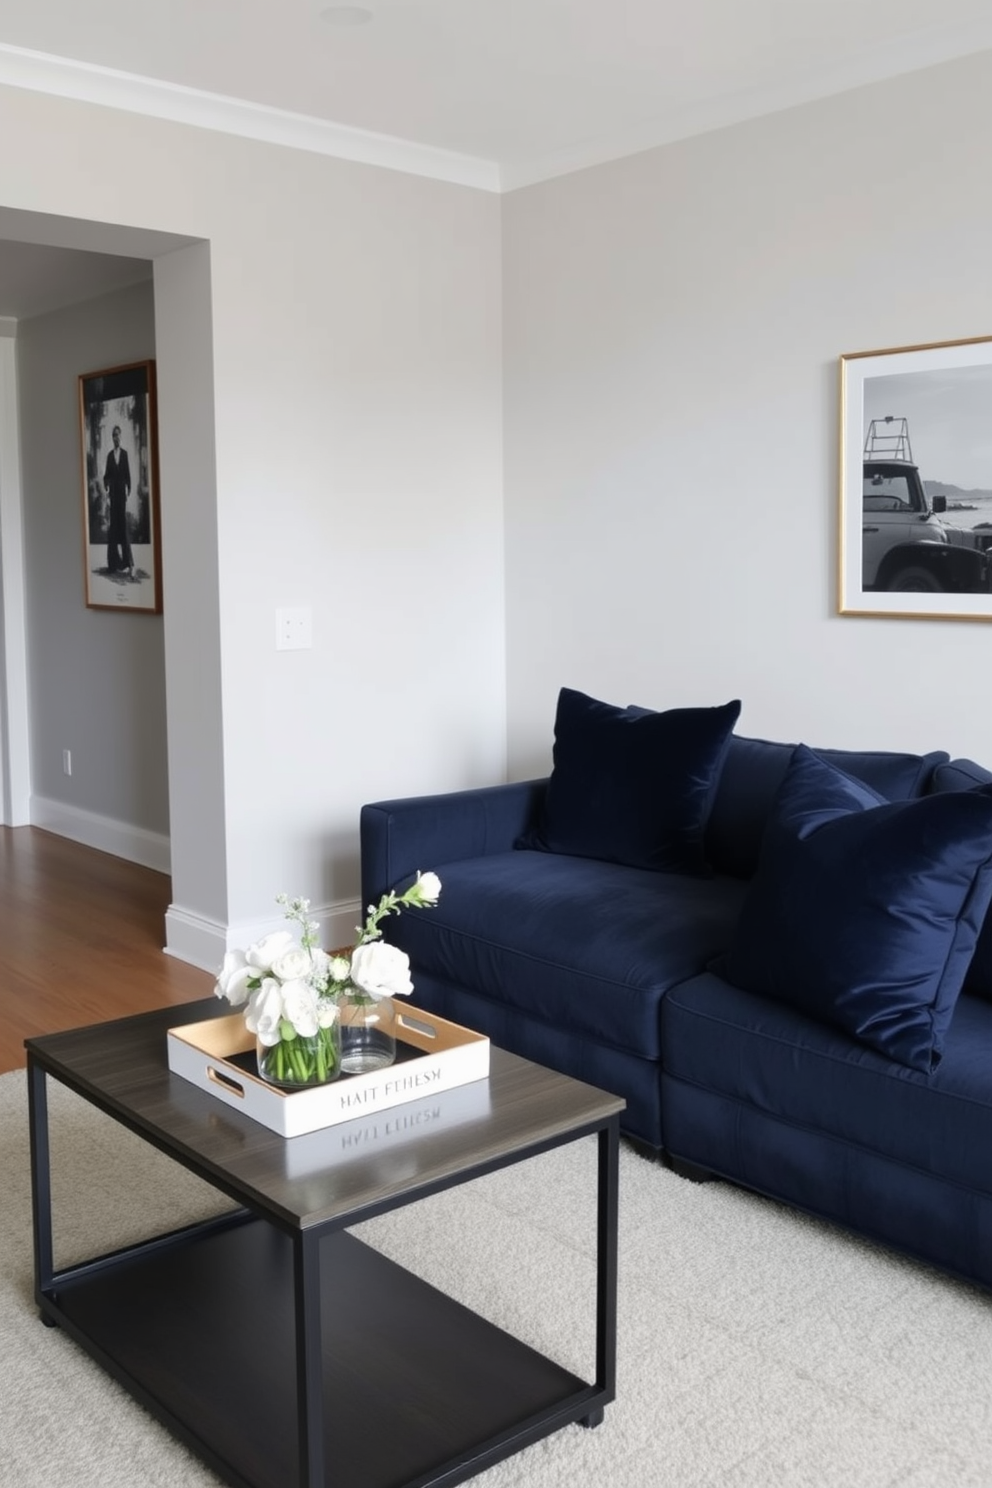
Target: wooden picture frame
122,550
916,481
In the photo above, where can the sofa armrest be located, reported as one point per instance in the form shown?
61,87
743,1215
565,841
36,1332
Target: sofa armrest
416,834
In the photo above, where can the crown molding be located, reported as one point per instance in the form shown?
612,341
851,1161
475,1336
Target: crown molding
40,72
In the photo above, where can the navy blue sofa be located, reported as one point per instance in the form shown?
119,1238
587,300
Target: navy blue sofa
621,976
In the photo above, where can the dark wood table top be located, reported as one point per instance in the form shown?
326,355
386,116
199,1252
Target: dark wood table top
342,1173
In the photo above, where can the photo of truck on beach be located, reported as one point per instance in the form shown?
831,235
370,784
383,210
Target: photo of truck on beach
913,540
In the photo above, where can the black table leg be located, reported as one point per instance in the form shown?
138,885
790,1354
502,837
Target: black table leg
41,1186
309,1358
608,1192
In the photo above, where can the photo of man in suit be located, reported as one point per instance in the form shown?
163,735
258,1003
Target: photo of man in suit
117,484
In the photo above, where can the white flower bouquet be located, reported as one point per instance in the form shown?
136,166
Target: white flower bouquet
291,991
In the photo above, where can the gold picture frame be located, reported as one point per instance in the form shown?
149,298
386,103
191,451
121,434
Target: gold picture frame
916,481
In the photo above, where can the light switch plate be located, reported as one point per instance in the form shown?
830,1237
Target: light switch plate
294,629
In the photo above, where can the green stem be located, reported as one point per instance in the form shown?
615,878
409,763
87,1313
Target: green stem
303,1061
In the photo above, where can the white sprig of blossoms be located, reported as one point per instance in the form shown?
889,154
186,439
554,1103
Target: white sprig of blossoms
291,990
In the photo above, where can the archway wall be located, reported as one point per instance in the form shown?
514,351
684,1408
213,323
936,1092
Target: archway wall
330,408
190,562
96,677
15,765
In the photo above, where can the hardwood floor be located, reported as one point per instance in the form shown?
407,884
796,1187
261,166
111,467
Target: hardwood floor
81,940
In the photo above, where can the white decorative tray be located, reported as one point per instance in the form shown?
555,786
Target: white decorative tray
432,1055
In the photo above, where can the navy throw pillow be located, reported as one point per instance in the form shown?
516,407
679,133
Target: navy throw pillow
978,981
864,913
630,786
964,774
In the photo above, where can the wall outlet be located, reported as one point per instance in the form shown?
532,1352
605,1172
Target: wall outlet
67,762
294,629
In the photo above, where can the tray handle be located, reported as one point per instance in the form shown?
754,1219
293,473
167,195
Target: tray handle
225,1081
416,1025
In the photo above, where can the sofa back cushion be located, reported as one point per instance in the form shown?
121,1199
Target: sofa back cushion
631,786
864,913
958,775
754,769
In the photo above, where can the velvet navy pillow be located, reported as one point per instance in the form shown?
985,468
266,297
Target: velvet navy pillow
864,913
964,774
979,978
633,787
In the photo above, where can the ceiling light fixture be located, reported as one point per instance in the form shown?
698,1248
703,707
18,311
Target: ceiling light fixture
346,15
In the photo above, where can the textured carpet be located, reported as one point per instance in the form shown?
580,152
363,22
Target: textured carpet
756,1347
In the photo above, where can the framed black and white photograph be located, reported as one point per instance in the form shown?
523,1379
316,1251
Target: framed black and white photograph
916,481
121,545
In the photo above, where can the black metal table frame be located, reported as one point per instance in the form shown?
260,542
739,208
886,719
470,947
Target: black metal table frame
585,1407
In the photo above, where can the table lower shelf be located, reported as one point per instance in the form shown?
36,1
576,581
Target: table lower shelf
417,1388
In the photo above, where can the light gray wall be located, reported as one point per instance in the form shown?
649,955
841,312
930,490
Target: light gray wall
350,349
96,678
673,324
671,331
192,615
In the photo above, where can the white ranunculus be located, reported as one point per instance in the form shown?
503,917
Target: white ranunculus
428,886
233,978
381,970
292,966
299,1005
328,1013
339,969
267,950
264,1012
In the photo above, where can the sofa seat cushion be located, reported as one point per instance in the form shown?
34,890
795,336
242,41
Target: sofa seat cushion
588,947
770,1058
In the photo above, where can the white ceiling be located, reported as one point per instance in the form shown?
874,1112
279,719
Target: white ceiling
35,280
495,93
519,83
40,273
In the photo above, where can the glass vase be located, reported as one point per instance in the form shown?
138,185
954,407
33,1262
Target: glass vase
297,1063
368,1031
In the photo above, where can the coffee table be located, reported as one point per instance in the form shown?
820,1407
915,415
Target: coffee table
277,1346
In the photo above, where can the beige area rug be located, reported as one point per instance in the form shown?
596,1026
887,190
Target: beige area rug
756,1347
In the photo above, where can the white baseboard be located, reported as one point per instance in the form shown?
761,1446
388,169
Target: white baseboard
189,937
150,849
202,942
